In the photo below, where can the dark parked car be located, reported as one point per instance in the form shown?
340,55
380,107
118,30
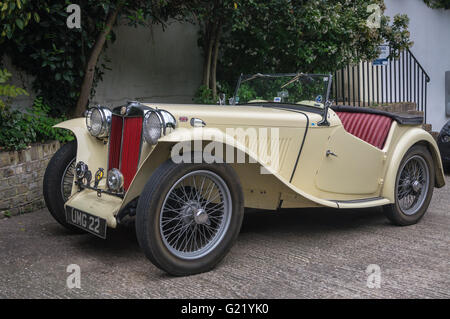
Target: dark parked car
444,145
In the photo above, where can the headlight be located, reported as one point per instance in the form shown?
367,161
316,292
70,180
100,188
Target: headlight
98,121
152,127
156,124
115,180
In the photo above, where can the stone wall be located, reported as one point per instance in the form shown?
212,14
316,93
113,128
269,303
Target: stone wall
21,177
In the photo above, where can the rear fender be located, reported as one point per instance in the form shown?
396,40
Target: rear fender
410,138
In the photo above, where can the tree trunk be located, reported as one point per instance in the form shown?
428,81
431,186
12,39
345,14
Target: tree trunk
208,55
214,61
88,79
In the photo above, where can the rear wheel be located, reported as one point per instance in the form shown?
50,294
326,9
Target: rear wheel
189,216
413,187
58,181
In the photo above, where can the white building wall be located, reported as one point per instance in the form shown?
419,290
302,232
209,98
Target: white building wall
430,31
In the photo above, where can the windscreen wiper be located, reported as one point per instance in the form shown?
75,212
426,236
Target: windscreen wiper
257,75
295,78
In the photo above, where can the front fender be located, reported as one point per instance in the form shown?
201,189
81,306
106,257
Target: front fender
90,150
410,138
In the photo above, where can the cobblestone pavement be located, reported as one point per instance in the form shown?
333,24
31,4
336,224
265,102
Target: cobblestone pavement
308,253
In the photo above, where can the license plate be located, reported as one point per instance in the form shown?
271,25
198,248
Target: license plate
90,223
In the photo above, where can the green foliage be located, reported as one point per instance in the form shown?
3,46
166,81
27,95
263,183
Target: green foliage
15,130
283,36
438,4
7,214
43,124
8,91
309,36
247,92
204,95
19,129
302,89
15,14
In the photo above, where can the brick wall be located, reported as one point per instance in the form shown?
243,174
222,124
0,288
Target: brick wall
21,176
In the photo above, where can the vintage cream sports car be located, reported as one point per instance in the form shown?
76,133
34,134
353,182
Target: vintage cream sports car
186,172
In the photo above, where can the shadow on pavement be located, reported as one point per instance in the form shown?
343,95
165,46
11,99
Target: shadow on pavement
311,220
302,221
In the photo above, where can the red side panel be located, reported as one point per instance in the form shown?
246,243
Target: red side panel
131,146
115,139
372,128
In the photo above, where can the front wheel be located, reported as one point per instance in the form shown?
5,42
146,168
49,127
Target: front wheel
58,181
189,216
413,187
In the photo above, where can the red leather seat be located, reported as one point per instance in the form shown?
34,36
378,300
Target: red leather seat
372,128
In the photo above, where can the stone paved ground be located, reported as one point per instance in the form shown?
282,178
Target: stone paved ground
294,254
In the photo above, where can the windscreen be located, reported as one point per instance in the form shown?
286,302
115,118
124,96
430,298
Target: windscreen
301,89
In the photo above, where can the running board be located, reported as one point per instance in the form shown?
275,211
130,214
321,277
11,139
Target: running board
362,203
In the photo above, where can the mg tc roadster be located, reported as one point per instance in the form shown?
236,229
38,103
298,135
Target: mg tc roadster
185,173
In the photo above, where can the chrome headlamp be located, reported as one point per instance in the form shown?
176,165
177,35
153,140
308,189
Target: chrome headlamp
157,123
98,121
80,170
115,180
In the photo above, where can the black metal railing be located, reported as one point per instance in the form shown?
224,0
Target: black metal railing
402,80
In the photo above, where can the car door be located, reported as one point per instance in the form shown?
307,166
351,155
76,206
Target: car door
350,166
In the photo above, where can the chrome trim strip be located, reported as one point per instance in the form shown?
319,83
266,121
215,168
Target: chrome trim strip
356,201
121,144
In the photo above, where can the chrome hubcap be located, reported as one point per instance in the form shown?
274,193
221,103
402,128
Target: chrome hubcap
195,214
416,186
201,217
412,185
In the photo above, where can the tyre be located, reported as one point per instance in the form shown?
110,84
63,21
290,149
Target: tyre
413,187
189,216
58,180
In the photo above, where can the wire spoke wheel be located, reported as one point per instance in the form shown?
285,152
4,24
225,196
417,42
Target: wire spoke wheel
67,180
412,185
195,214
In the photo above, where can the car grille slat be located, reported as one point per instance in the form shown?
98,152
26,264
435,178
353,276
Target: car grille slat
125,146
115,140
131,146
